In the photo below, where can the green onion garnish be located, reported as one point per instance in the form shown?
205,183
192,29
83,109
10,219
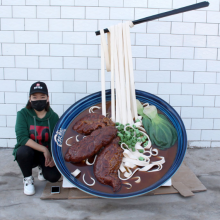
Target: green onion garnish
141,158
146,143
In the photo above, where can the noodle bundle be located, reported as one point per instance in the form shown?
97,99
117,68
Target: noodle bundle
118,59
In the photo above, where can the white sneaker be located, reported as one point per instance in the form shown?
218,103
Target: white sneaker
29,188
40,174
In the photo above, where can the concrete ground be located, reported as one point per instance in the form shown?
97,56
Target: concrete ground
205,163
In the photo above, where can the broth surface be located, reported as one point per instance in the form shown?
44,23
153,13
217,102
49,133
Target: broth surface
147,178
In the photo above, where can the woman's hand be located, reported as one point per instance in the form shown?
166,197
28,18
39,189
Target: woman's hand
47,156
51,164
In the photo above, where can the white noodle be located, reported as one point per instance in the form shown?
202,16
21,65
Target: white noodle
77,138
154,150
141,128
111,29
122,168
88,183
130,63
122,73
67,141
139,117
127,78
138,179
92,108
158,169
129,176
138,124
87,161
103,54
145,104
128,185
118,55
117,79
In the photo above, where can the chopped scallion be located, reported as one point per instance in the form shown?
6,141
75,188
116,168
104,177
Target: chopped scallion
141,158
146,143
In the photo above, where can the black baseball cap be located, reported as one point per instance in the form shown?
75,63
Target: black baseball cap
39,87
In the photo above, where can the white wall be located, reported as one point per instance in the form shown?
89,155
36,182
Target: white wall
176,58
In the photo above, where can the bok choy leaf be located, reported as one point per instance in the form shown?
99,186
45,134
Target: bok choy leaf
161,132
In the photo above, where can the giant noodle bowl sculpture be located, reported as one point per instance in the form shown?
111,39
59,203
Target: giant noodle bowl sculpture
134,114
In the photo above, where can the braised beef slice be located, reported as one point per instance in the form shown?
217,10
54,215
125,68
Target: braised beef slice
91,122
107,164
91,144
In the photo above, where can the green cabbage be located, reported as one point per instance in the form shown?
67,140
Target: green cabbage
162,133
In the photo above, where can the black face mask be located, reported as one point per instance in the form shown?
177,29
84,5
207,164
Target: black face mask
39,105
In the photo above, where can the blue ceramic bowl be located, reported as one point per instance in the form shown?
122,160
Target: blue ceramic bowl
94,99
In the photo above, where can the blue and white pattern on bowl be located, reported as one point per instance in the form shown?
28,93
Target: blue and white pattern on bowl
95,98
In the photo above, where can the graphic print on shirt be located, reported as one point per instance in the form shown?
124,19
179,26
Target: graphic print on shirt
42,133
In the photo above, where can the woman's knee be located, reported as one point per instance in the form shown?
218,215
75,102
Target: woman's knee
52,176
24,151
